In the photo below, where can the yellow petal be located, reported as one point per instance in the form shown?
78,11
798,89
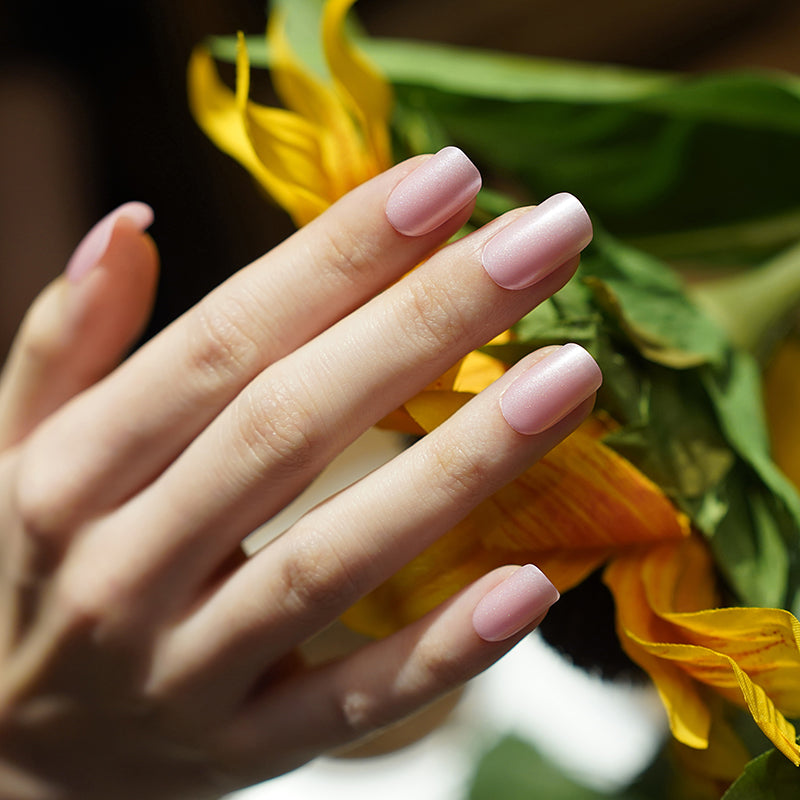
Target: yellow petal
368,93
289,154
477,371
431,408
328,140
748,655
722,671
684,701
680,577
764,642
287,147
214,107
566,514
340,145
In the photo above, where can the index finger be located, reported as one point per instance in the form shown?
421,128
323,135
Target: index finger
175,385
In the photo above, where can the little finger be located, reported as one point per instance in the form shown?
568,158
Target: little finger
385,681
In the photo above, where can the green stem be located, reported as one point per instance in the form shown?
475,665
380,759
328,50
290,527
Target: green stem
755,306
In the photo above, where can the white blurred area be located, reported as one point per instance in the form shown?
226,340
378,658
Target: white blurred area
602,734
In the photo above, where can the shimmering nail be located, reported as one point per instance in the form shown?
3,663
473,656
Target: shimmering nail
433,193
514,604
548,390
542,239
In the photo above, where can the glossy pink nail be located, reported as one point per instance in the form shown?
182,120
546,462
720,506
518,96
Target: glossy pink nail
93,246
514,604
433,192
542,239
550,389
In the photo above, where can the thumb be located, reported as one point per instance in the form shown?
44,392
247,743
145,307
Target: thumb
82,324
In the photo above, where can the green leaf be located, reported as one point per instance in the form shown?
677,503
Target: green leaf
771,776
651,154
650,303
755,306
767,571
513,770
498,75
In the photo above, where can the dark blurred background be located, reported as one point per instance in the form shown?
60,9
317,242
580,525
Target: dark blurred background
93,112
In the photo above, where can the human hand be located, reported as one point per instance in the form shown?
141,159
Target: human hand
142,655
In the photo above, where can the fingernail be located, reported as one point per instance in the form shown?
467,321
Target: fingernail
93,246
532,246
550,389
433,193
514,604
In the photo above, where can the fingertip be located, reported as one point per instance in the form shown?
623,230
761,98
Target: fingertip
434,192
93,247
511,606
550,388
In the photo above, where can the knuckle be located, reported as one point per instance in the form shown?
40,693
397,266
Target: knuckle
433,316
360,713
40,502
460,470
349,257
314,578
219,343
274,427
86,601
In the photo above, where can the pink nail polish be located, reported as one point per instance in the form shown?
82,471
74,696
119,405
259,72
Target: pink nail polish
514,604
550,389
536,243
433,192
94,245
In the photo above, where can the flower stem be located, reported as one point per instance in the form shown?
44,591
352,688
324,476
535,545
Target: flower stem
756,306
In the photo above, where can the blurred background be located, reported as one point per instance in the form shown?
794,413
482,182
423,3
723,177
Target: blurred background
93,112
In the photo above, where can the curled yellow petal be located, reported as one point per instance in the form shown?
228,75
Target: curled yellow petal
288,149
215,109
329,138
369,95
341,154
751,656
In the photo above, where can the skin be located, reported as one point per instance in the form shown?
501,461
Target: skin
142,655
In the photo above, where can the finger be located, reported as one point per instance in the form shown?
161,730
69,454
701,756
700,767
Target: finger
351,543
387,680
286,425
173,387
82,324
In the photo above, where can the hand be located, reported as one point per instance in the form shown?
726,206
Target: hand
142,655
